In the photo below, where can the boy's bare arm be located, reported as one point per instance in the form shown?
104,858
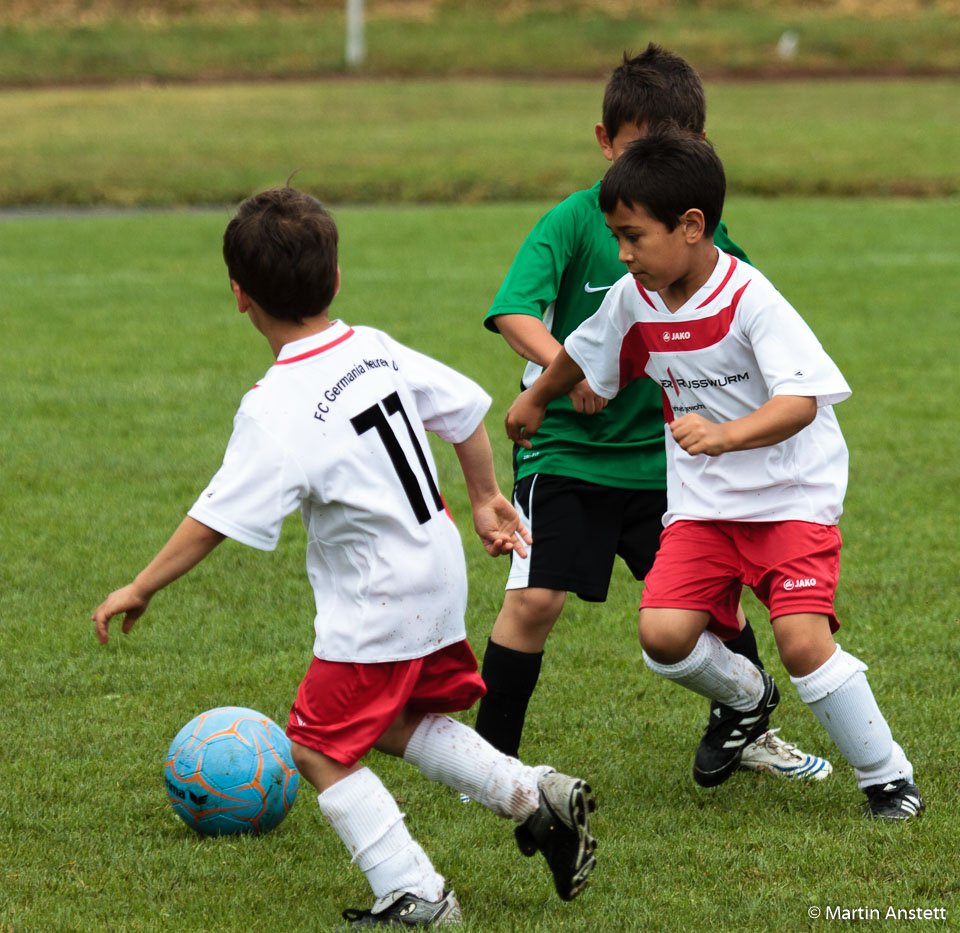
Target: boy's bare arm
529,337
188,545
525,415
773,422
494,518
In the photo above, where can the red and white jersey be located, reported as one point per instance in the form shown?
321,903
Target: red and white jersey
337,427
733,346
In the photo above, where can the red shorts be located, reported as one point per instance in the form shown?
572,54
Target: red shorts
791,566
343,708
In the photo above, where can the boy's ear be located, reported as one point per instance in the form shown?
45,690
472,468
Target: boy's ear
243,299
603,138
693,224
336,289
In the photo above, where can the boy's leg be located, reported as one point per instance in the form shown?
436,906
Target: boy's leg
339,713
365,816
768,753
678,646
511,663
832,683
639,541
575,527
552,810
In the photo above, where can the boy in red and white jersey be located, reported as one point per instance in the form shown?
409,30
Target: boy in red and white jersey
756,462
337,428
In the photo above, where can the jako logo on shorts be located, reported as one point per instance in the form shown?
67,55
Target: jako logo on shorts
800,583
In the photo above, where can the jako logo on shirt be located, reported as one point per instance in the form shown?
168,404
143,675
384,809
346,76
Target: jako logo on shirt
676,335
800,583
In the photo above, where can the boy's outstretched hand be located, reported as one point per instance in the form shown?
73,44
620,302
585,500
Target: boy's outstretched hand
128,600
188,545
499,527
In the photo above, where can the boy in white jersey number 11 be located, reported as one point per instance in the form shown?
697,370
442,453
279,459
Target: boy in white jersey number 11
337,428
756,463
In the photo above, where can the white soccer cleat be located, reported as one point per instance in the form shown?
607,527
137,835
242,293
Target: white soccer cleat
774,756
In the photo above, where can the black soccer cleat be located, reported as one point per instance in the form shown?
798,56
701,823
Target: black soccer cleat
729,732
560,829
897,800
402,909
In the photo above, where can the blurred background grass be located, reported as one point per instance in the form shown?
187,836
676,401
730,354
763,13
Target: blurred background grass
43,41
453,140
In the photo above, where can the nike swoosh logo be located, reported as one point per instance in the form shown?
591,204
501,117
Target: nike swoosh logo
588,288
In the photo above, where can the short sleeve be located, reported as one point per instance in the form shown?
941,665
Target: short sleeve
533,281
790,356
449,404
258,485
596,344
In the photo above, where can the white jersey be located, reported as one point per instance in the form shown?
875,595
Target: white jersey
733,346
337,427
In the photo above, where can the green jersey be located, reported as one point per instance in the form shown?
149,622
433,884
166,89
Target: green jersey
561,275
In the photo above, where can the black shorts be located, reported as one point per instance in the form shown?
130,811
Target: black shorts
579,528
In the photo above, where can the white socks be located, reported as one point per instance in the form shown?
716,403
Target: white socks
453,754
714,671
366,817
838,694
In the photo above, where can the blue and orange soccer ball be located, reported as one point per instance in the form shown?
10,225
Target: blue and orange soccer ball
230,770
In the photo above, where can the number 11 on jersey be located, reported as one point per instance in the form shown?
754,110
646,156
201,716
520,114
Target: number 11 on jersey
374,417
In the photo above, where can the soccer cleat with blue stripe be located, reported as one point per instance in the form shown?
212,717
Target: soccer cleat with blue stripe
771,755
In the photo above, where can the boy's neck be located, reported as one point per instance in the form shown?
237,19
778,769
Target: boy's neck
280,333
704,258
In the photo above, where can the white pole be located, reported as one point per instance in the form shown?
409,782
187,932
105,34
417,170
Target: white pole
356,50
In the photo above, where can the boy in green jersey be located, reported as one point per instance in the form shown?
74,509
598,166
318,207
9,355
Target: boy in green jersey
593,484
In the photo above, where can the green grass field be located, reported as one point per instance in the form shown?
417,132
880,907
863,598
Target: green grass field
124,361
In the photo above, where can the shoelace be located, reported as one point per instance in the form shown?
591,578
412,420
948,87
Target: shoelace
786,750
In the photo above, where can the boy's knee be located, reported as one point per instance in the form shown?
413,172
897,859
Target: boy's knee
800,659
533,607
300,753
804,642
663,641
319,769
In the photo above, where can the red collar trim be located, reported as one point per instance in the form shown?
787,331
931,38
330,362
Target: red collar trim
314,352
719,288
644,295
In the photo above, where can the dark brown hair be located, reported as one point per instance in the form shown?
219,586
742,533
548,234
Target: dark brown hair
657,88
667,174
281,249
